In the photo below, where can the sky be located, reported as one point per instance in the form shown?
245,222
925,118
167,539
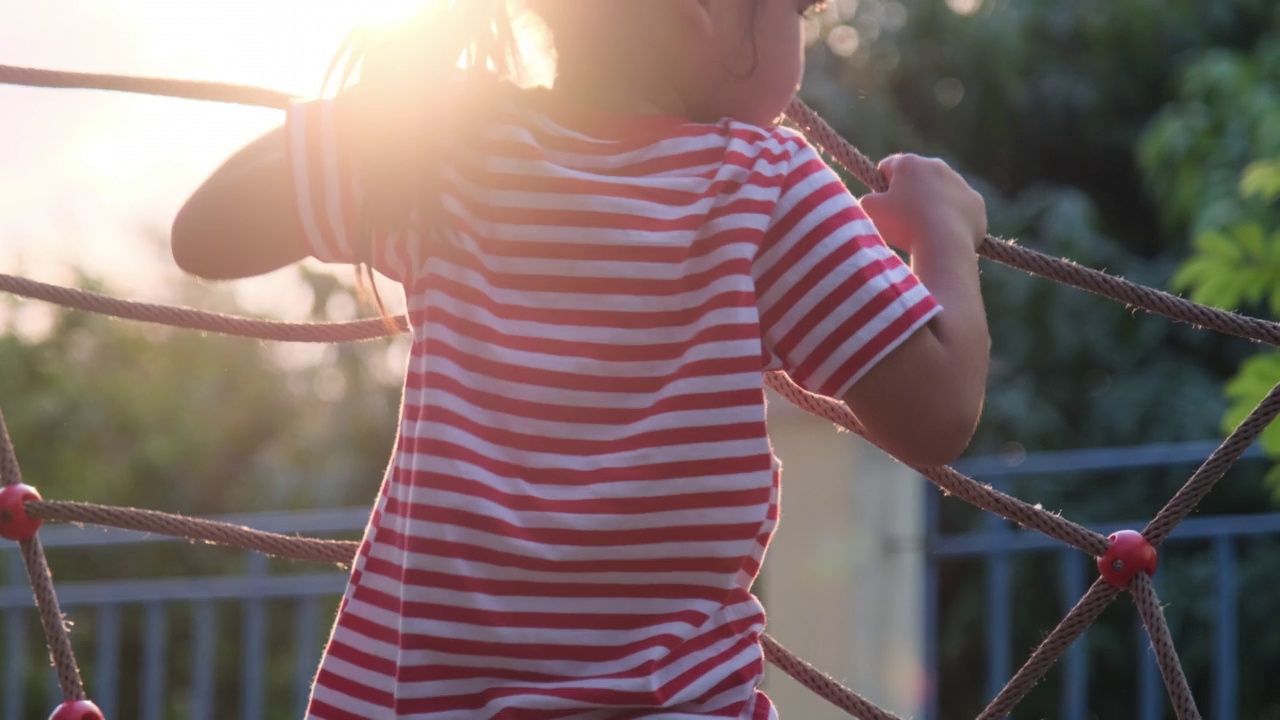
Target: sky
87,176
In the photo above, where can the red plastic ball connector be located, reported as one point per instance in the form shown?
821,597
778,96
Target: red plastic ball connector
1129,553
77,710
15,523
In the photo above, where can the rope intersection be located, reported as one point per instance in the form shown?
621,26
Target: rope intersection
1126,560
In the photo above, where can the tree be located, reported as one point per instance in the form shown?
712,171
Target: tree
1227,114
119,413
1238,267
1043,105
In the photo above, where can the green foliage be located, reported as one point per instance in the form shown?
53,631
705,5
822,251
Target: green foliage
1106,131
1227,114
1234,268
1239,267
105,411
1257,376
1262,181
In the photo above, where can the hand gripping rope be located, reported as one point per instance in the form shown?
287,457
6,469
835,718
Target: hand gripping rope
1126,560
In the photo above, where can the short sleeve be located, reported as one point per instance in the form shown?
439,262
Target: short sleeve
834,299
327,195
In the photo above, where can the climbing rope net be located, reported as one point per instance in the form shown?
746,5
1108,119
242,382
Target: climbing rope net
1126,560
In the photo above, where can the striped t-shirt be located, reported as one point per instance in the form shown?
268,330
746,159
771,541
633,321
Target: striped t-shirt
583,488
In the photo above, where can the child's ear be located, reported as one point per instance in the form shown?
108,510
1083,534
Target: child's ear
696,15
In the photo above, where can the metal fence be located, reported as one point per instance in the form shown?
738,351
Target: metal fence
309,595
102,605
997,545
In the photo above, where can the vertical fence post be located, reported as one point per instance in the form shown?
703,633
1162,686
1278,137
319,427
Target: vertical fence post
1075,684
307,651
932,531
107,657
999,595
204,660
152,679
15,645
254,630
1226,629
155,657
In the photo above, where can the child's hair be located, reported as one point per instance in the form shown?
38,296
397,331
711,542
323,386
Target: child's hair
406,93
410,87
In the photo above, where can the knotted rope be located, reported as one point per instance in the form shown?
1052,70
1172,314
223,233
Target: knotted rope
337,552
52,620
188,319
1050,650
1059,270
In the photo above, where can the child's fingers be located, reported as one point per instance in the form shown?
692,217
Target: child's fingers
889,166
903,163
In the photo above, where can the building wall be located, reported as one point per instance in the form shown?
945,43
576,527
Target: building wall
842,580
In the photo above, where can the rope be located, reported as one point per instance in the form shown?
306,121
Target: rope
337,552
821,683
56,636
821,133
1047,654
186,89
950,481
189,319
1208,474
52,621
10,472
1144,595
1036,263
343,553
1073,625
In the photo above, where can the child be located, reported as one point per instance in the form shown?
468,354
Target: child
596,275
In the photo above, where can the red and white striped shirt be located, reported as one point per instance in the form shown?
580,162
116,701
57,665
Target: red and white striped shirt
583,487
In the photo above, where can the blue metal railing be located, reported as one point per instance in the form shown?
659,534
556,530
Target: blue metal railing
103,604
997,545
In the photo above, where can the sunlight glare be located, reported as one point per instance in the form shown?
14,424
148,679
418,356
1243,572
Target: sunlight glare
95,178
389,13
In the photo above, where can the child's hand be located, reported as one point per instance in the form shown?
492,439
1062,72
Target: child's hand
922,402
927,203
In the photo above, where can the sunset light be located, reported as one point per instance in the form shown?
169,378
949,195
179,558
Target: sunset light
90,176
387,13
483,337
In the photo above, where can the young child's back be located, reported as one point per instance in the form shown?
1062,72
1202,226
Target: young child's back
583,486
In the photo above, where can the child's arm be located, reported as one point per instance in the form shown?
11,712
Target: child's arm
922,402
846,318
241,221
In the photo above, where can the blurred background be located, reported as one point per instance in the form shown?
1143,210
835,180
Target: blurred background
1135,136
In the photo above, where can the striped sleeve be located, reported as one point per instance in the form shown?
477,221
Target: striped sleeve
834,299
327,197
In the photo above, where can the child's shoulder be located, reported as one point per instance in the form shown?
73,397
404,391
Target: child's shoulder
542,106
769,151
778,145
776,135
